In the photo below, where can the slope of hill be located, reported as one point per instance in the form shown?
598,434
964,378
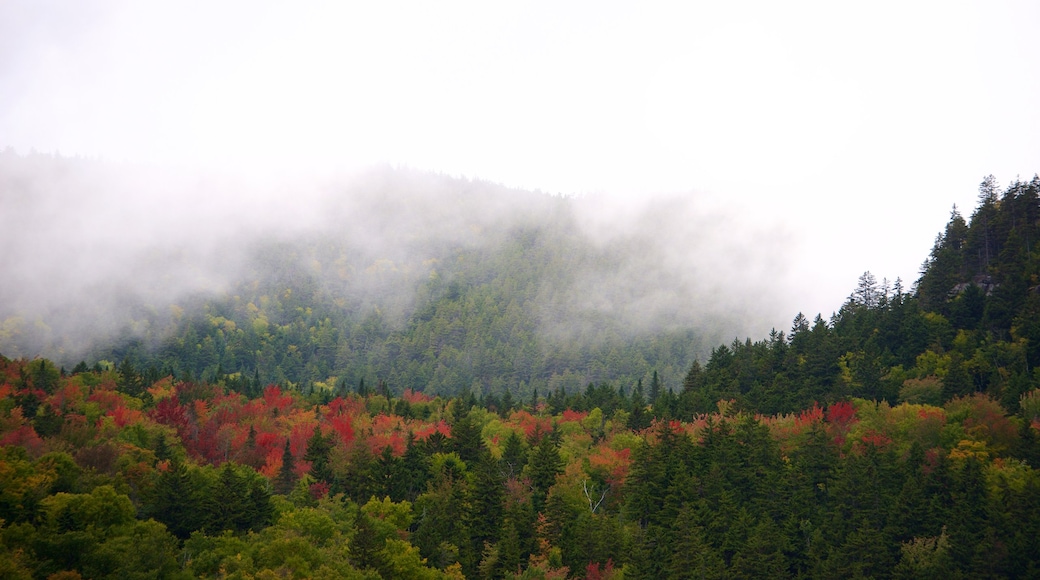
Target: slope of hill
420,281
912,454
970,325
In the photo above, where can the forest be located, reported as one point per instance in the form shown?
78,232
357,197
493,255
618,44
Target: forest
260,436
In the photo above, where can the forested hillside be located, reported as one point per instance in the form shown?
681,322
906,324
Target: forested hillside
421,281
486,319
970,325
100,477
493,318
899,438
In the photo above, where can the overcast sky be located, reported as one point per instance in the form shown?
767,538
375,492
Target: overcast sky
855,126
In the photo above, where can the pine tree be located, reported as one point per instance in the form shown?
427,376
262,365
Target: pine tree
260,512
318,449
763,553
366,545
174,501
691,554
465,438
226,507
543,466
286,478
514,458
486,501
413,472
655,388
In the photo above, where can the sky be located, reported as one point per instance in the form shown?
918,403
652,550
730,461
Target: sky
849,128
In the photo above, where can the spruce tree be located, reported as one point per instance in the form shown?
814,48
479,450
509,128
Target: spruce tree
318,449
174,501
544,465
226,507
514,458
465,438
486,501
286,478
655,388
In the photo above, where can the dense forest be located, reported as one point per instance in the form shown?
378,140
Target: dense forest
898,438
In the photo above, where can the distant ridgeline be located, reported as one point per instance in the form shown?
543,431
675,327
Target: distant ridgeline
483,319
407,279
970,324
494,305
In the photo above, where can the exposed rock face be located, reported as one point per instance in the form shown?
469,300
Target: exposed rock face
983,281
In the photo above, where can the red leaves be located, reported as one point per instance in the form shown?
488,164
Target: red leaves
170,412
872,438
23,436
430,428
615,463
841,414
67,395
341,424
272,464
298,440
106,399
530,424
319,490
809,417
387,431
413,397
341,406
593,572
123,416
570,416
274,399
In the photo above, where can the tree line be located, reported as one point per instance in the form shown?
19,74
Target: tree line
598,484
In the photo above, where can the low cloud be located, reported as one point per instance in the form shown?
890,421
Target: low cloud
92,246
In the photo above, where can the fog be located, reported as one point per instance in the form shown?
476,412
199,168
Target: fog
763,154
91,245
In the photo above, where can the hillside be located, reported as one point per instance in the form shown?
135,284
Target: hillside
99,477
898,439
970,324
502,316
420,281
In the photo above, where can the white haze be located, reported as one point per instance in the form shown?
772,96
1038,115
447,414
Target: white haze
823,138
92,245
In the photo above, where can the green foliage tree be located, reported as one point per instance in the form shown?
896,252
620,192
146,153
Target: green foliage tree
286,479
543,466
318,448
174,500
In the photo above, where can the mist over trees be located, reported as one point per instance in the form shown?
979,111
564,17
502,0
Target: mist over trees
423,281
225,434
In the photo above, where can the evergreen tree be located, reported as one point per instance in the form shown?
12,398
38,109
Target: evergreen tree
318,449
286,478
514,457
412,472
655,388
366,545
543,466
486,502
174,501
763,555
226,506
465,438
691,556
